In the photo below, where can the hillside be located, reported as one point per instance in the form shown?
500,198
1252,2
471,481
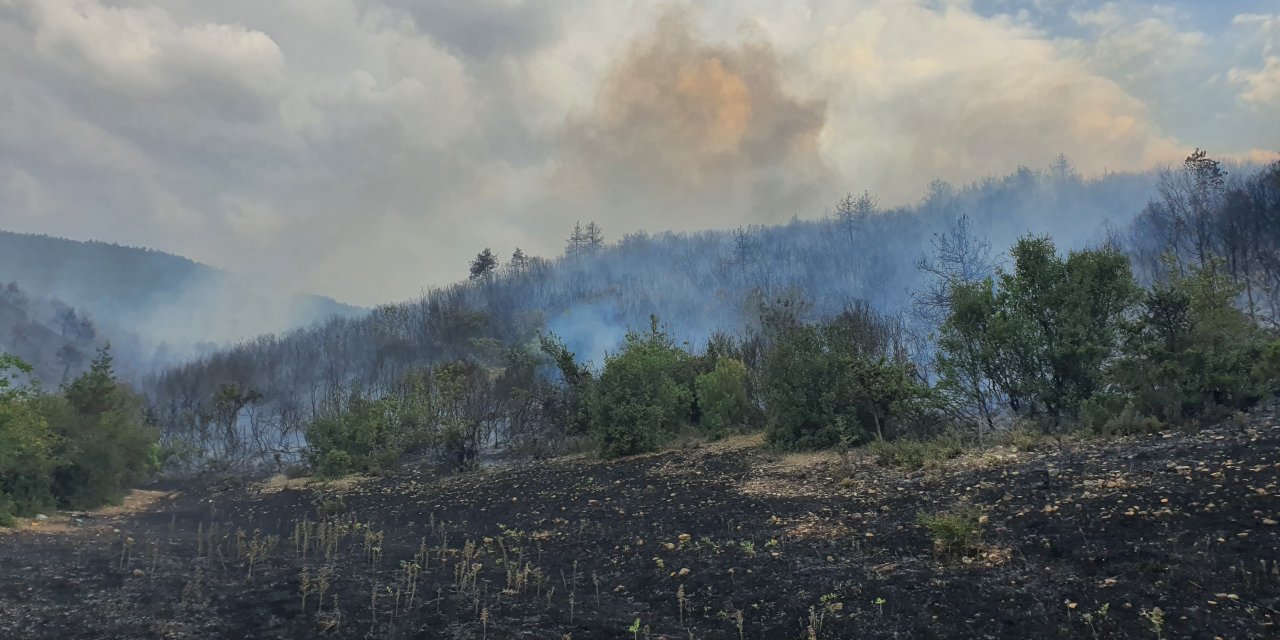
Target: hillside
695,283
147,300
1172,535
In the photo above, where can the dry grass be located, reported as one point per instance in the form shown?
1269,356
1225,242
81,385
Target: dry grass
338,485
281,482
988,458
64,522
813,527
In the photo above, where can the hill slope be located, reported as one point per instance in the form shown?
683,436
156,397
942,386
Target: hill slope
157,297
1080,540
697,283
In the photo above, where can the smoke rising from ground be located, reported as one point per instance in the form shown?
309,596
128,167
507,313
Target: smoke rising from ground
365,149
682,126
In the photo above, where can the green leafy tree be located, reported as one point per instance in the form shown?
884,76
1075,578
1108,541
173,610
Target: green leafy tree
484,264
967,357
467,413
357,436
643,396
1062,321
841,382
1043,335
572,406
104,444
1193,350
722,397
26,446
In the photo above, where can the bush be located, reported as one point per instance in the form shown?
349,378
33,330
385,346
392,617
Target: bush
78,450
26,447
1114,415
1192,353
336,463
105,444
642,399
840,382
1040,335
910,453
357,436
6,511
448,410
722,397
1268,367
957,531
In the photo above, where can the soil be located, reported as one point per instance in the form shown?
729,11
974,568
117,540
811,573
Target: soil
1167,536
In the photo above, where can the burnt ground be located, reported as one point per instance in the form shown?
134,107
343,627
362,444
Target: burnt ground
727,540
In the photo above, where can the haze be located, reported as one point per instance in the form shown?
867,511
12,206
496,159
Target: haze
367,149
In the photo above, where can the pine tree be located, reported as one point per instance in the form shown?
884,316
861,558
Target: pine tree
519,261
484,264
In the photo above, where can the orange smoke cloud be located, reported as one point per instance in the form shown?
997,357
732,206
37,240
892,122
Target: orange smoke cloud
697,123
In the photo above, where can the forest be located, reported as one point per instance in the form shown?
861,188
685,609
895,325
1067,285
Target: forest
976,308
764,432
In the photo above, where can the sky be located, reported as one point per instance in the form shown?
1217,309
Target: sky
367,149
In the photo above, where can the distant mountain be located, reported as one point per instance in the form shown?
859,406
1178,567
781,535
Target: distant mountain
160,305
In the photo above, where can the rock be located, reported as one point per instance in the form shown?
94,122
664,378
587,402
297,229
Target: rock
138,573
684,571
41,516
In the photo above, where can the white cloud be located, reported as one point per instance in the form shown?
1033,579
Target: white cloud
1260,87
368,148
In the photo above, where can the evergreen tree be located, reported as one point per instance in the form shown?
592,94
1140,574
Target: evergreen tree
484,264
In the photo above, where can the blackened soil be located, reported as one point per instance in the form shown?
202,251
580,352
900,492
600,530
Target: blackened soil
1166,536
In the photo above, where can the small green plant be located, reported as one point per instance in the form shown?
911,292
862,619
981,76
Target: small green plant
879,603
916,454
956,531
634,629
1155,618
1100,614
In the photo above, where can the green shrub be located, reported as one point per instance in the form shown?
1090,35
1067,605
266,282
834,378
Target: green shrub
1117,415
1042,334
957,531
105,445
26,447
842,381
6,511
909,453
722,397
1267,369
1192,353
1024,437
336,463
79,450
642,398
356,436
